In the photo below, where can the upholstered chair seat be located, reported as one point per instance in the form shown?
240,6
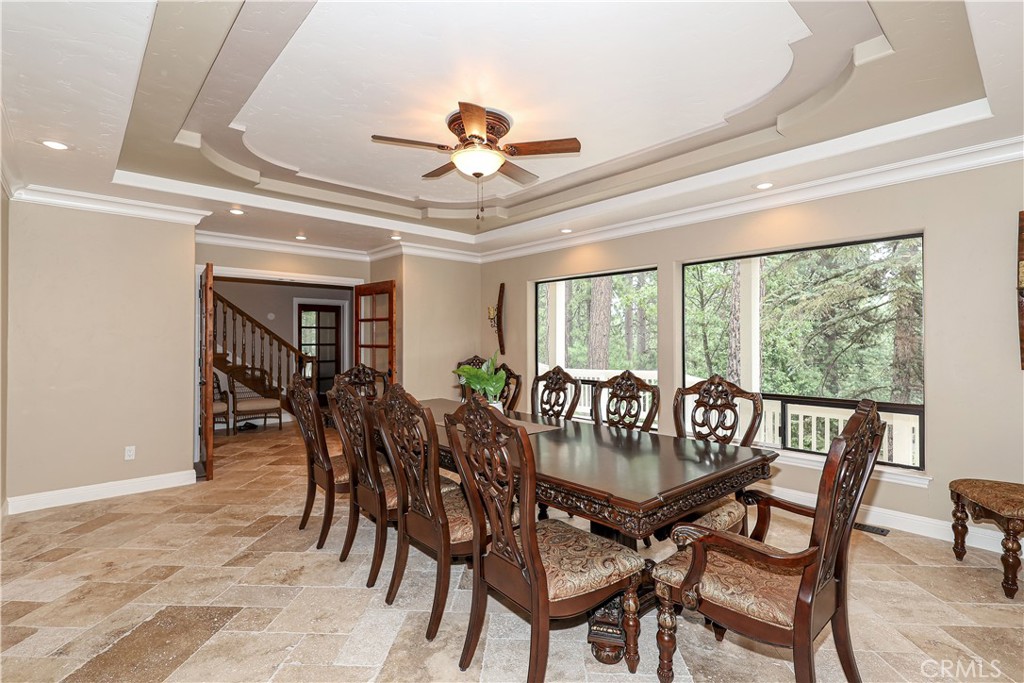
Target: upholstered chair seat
219,408
765,593
722,515
251,405
460,520
577,562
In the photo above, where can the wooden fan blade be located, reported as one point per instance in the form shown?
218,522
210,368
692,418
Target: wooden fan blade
561,146
474,119
517,173
411,143
440,171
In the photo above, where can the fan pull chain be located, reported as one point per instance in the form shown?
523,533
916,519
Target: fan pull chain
479,202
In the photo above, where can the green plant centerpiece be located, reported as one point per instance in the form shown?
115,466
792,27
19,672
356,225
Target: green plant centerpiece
485,380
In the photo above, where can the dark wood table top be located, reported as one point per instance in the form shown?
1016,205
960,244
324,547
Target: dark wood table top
633,481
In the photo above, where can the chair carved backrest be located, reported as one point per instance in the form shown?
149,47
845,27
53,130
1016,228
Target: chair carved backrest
509,395
306,409
716,415
368,382
410,437
352,420
218,393
848,466
625,405
486,445
555,394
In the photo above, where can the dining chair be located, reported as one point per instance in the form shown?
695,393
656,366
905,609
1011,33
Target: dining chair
509,395
373,489
768,594
555,393
715,417
625,405
368,382
221,409
252,396
322,471
432,510
548,568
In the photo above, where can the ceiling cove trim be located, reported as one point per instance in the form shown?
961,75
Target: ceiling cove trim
151,182
956,161
86,201
221,239
423,250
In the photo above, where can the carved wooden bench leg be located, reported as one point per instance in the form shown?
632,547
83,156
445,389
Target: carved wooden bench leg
1011,556
959,526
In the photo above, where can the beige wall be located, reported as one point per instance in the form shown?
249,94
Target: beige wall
102,324
4,327
254,259
969,221
443,307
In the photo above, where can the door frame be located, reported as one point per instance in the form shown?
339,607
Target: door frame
346,316
246,274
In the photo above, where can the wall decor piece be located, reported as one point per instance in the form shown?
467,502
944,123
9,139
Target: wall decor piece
1020,283
496,316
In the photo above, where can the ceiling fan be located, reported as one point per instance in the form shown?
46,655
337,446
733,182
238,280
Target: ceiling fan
478,153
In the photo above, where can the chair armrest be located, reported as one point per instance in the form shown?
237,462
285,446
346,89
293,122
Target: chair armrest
756,498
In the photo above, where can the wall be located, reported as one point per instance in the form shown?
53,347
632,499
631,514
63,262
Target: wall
260,299
4,327
254,259
971,349
101,314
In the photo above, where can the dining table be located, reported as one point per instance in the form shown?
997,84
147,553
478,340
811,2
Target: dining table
627,483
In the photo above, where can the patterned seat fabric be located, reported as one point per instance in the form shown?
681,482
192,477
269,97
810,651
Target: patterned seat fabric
1001,497
723,515
577,561
340,466
761,592
460,520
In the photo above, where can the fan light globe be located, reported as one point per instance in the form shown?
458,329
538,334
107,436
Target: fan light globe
477,160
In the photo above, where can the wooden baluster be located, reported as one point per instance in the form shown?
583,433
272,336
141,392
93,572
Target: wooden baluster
280,379
262,342
234,336
242,360
223,327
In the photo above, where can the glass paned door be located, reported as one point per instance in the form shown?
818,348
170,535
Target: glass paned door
375,326
320,337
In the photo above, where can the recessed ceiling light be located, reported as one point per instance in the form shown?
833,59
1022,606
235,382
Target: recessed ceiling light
764,186
53,144
301,238
236,211
396,237
566,231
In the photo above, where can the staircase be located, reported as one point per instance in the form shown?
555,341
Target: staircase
254,355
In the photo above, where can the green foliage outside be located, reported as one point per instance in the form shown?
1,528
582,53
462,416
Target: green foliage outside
841,322
628,327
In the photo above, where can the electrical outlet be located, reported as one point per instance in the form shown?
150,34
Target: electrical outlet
129,452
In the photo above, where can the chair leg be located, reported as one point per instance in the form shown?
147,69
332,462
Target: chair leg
647,541
353,522
1011,556
959,526
477,612
542,511
401,557
325,526
803,660
666,639
540,626
719,631
380,541
310,497
631,624
444,573
844,645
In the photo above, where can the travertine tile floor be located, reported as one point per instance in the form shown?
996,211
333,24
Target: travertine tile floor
215,582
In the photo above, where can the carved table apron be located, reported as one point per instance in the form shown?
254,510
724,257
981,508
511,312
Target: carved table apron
627,483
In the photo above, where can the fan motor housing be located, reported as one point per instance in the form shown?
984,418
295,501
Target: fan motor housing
498,125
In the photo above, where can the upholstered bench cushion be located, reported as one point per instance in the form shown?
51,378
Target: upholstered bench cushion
1001,497
761,592
578,562
219,408
250,405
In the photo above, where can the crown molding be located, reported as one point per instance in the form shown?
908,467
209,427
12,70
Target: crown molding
221,239
954,161
282,276
86,201
442,253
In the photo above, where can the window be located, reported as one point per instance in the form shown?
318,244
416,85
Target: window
596,327
815,331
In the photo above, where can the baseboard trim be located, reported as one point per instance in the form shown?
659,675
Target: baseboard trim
977,536
85,494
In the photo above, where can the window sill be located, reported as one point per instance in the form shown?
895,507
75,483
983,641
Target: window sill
890,475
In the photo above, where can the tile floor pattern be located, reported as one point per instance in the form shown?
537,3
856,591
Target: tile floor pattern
215,582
